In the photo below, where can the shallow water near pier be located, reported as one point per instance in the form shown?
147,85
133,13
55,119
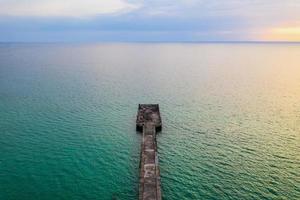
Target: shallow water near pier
231,120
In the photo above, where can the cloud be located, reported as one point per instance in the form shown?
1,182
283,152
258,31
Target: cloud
63,8
148,20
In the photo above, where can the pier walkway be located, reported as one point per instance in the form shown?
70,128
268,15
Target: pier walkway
149,122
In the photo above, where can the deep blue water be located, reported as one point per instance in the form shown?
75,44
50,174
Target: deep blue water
231,120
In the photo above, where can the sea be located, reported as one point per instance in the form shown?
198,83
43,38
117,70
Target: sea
230,112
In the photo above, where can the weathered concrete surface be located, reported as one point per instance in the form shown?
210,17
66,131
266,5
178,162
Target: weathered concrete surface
150,120
148,113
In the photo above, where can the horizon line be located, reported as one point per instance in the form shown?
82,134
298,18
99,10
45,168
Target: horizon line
149,41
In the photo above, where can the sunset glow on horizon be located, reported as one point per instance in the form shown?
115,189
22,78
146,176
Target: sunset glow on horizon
164,21
284,33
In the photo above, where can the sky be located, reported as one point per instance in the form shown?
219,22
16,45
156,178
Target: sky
149,20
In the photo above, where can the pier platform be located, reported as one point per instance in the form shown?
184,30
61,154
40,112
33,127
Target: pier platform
149,123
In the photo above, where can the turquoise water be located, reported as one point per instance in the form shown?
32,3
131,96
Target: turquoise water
231,120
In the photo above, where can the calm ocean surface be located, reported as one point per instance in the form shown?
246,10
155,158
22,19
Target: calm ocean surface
231,120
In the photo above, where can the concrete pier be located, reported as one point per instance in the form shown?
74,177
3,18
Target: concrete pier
149,122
